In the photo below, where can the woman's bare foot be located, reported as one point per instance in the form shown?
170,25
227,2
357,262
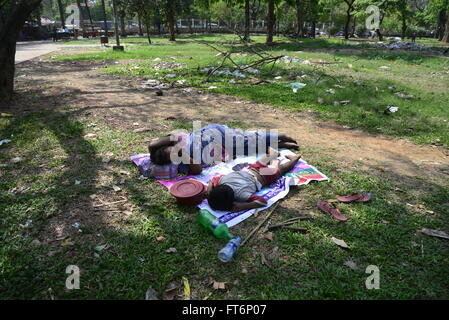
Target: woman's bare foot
288,145
284,138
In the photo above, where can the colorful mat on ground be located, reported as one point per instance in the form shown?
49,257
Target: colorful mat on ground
301,174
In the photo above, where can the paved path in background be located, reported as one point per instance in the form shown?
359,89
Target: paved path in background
29,50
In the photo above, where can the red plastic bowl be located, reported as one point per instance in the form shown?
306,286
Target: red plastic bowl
188,192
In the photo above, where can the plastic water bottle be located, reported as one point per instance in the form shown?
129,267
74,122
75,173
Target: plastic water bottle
231,248
210,222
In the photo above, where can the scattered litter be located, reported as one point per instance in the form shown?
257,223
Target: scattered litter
90,135
349,66
170,75
404,96
141,130
181,81
212,87
391,109
160,238
35,243
116,188
295,86
278,77
76,225
102,247
168,65
252,70
27,224
339,86
344,102
434,233
5,115
157,59
351,264
384,67
151,294
122,181
219,285
77,182
340,243
171,250
16,160
141,260
186,283
143,178
330,90
4,141
320,100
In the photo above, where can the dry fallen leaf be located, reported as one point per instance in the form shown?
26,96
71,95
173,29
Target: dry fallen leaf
160,239
351,264
268,235
171,290
151,294
219,285
434,233
340,243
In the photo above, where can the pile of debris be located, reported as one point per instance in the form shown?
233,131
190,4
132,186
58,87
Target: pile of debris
402,45
168,65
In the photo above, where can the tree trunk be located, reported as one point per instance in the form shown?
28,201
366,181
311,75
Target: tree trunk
313,31
148,32
78,4
446,32
122,23
9,32
404,28
90,16
247,21
348,20
171,20
270,22
38,16
441,24
299,19
104,18
139,22
61,14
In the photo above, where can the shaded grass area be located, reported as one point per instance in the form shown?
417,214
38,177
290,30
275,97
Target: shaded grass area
370,79
55,153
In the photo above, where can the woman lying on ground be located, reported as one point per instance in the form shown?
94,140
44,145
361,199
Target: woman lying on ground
201,145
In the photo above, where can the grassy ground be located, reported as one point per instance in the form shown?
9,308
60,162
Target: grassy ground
56,153
369,78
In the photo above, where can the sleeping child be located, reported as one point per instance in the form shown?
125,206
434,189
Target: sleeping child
236,191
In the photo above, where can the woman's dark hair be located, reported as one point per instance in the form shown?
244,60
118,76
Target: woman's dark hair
159,157
221,198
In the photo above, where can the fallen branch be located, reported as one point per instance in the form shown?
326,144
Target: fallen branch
259,226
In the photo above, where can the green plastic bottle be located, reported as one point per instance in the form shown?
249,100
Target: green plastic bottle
210,222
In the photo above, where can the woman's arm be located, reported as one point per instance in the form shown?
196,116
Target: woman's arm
160,142
240,206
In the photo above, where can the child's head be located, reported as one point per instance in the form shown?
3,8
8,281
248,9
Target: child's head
221,198
161,156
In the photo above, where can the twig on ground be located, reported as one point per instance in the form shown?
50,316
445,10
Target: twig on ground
260,225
